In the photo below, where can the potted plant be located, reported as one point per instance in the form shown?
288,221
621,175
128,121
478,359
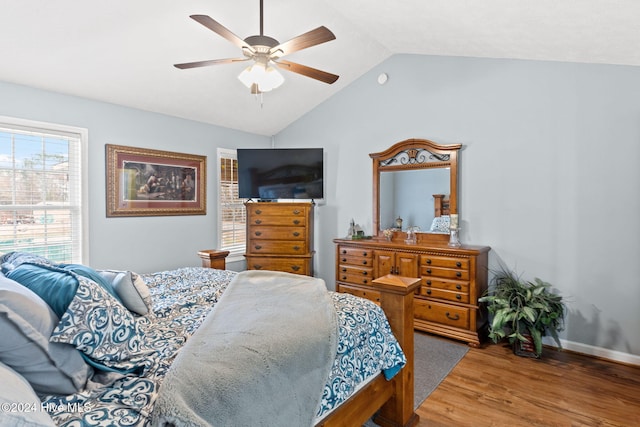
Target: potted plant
524,312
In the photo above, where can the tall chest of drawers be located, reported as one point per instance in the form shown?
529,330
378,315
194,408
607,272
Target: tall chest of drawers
451,281
280,237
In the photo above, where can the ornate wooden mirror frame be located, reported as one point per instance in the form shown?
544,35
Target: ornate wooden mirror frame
414,154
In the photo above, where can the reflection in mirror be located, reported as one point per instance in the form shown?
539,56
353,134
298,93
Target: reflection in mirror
409,194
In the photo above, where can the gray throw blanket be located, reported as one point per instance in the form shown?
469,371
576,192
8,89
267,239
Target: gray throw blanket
261,358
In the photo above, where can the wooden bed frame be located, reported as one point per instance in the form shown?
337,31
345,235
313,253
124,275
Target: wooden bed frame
389,402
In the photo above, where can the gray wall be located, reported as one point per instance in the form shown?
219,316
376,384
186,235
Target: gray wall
549,174
142,244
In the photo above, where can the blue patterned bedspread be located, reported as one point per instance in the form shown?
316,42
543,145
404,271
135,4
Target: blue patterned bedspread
182,298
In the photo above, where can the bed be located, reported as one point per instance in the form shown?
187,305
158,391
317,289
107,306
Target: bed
132,349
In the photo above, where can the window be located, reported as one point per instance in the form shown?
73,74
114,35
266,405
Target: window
42,209
231,211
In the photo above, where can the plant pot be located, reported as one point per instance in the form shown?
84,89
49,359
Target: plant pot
525,348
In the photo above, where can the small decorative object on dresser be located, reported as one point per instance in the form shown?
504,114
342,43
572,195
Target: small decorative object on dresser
280,237
524,312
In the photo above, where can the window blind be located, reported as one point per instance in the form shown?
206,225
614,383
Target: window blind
231,209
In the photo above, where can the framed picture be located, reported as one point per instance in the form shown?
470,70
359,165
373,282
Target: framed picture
143,182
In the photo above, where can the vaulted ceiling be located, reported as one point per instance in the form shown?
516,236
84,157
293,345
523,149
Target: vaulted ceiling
123,51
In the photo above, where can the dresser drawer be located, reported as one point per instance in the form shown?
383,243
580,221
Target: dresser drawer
290,265
444,294
355,252
361,276
277,209
437,261
369,294
448,273
277,220
442,313
277,233
356,261
449,285
288,247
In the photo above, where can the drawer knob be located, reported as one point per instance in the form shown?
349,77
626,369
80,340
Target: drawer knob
344,260
455,317
344,251
364,273
458,287
258,211
258,221
458,274
258,247
458,264
295,267
364,281
344,270
458,296
344,277
257,266
296,233
364,262
428,282
296,212
428,271
258,233
364,254
296,248
428,261
428,291
296,221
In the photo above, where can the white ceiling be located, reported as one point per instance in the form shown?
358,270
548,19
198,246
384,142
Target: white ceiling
123,51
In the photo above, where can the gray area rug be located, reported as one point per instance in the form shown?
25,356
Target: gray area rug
435,357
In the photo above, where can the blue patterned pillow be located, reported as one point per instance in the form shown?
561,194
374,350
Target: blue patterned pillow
440,224
103,330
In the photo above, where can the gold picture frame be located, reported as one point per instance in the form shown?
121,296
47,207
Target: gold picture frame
145,182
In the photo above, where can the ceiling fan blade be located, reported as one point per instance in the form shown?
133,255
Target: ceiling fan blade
197,64
311,38
220,29
323,76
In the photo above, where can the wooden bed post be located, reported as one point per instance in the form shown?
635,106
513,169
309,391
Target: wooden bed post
396,299
212,258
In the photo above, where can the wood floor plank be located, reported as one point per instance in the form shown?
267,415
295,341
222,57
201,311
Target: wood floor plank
491,386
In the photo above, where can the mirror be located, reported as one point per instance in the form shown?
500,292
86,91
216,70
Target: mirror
406,177
409,195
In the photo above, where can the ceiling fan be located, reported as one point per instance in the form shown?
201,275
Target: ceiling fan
261,76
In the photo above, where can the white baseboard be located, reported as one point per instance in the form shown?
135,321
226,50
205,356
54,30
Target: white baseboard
616,356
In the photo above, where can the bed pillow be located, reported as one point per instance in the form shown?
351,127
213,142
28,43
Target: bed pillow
11,260
440,224
16,392
132,290
26,322
56,284
103,329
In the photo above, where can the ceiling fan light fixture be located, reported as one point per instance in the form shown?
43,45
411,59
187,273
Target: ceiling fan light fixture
264,76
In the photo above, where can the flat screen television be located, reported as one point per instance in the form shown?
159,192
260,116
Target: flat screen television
280,173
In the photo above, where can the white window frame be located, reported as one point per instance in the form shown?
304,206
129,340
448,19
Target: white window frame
236,251
79,197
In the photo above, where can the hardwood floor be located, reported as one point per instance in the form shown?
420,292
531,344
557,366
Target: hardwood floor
493,387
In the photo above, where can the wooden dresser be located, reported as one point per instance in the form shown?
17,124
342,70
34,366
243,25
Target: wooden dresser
280,237
451,281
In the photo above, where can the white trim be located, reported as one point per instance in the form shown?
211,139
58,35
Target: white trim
605,353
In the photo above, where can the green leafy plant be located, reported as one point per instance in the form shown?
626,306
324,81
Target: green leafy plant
523,308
